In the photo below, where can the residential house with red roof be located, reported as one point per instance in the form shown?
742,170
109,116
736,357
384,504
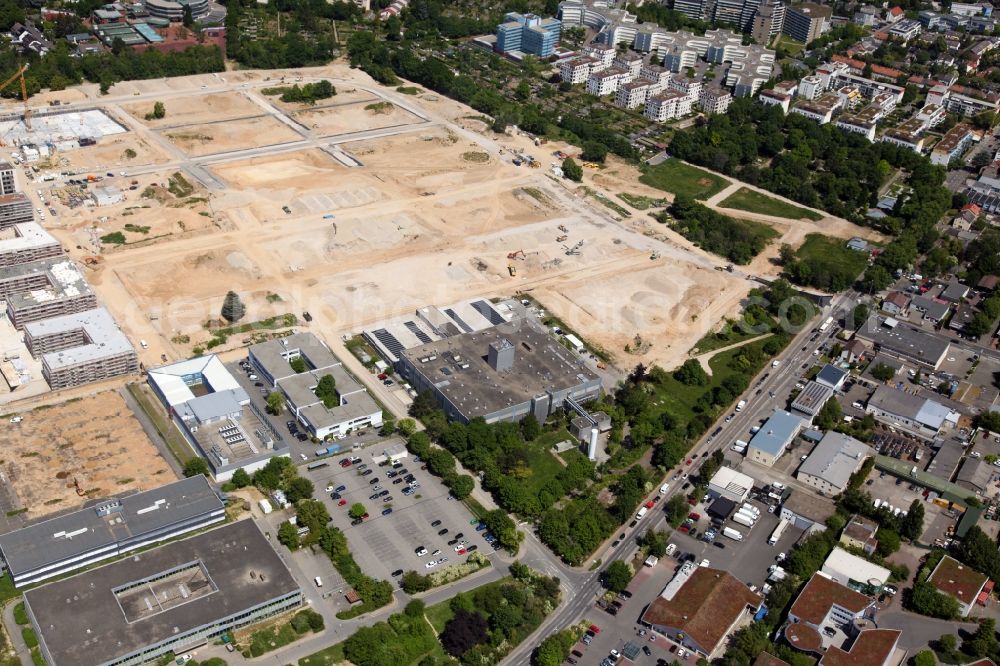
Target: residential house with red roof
960,581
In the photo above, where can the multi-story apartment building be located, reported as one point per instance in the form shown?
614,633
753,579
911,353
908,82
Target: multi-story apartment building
80,348
713,99
658,77
820,109
954,143
8,182
629,61
806,22
27,242
768,21
632,95
606,82
64,291
15,208
668,105
577,70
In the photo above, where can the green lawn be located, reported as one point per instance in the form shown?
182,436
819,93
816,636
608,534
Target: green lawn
640,202
679,178
833,252
755,202
325,657
542,465
439,614
790,46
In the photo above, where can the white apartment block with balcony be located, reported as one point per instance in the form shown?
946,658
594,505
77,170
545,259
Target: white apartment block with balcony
606,82
632,95
668,105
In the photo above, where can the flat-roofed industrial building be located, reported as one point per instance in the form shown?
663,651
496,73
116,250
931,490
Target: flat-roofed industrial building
110,528
502,373
166,600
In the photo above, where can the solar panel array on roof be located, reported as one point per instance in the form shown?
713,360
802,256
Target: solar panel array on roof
423,337
454,315
389,341
485,309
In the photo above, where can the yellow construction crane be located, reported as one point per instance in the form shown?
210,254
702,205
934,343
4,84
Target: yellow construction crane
24,93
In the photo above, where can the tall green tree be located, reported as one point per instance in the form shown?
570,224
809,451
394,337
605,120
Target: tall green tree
232,307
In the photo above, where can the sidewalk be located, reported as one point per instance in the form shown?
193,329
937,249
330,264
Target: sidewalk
14,631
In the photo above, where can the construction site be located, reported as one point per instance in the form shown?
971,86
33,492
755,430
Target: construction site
60,457
362,207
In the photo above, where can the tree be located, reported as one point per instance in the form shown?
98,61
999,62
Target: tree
926,600
876,279
233,308
983,642
616,576
691,373
275,403
240,478
288,535
978,326
888,542
388,426
195,466
188,18
786,255
594,151
326,390
860,315
461,486
159,111
413,582
912,526
654,542
530,429
312,513
299,488
406,427
357,510
925,658
829,415
555,648
463,632
572,170
883,372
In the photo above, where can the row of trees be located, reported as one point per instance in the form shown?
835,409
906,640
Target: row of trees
737,240
817,165
309,93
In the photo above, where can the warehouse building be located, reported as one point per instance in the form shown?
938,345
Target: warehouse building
806,511
811,399
730,484
773,438
909,412
700,607
167,600
832,462
15,208
80,348
216,416
110,528
904,341
499,374
65,292
855,572
351,409
27,242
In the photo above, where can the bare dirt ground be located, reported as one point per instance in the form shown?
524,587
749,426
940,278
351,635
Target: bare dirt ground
211,108
94,442
343,118
221,137
113,153
430,216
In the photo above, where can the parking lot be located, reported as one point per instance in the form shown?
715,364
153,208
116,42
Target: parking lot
383,544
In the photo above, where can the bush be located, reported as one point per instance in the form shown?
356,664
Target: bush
30,639
413,582
21,614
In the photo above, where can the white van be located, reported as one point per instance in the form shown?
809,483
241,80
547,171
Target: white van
318,581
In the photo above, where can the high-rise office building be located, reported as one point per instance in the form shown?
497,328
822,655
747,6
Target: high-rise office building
528,33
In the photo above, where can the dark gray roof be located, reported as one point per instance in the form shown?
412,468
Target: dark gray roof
82,531
905,340
831,375
82,620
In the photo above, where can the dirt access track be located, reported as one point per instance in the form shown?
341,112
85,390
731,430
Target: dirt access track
382,217
94,444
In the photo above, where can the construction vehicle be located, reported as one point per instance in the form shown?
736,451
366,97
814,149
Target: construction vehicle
654,256
560,239
562,228
573,251
535,164
518,254
512,270
24,93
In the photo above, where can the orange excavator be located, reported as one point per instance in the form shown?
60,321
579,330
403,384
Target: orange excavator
19,75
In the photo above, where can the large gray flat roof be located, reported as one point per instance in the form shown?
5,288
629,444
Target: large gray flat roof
905,340
273,355
540,364
835,458
355,400
59,538
776,432
82,621
106,339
